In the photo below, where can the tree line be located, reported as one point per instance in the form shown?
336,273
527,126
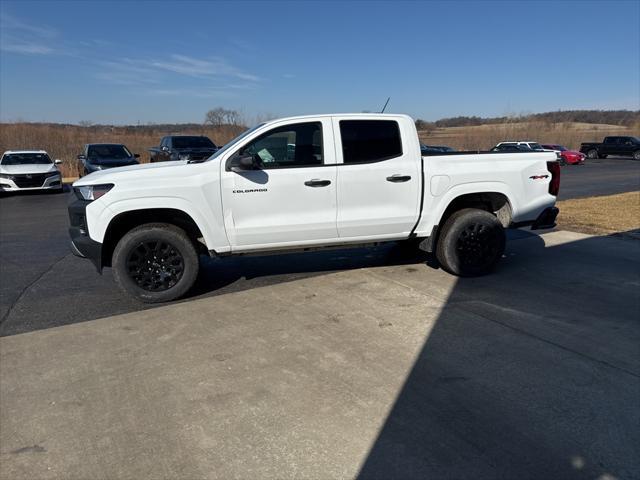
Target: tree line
627,118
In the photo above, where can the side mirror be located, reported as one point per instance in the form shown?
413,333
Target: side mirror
165,149
57,161
81,157
136,155
243,163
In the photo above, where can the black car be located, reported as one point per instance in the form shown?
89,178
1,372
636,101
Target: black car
183,147
100,156
434,149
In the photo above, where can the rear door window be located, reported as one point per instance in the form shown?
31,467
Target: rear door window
366,141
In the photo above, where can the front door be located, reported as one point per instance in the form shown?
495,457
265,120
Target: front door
290,198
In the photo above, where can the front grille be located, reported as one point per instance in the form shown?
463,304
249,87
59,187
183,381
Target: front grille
29,180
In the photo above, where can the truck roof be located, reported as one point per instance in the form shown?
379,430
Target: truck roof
364,116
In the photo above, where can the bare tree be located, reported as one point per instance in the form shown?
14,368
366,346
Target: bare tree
215,117
221,116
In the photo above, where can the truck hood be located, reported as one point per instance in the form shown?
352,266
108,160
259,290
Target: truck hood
28,168
113,174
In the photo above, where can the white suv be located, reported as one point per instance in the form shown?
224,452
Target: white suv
535,146
29,170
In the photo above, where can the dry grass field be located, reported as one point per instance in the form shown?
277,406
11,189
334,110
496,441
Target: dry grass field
483,137
593,215
66,141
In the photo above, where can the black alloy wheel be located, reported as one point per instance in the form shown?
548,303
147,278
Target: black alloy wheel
155,266
477,246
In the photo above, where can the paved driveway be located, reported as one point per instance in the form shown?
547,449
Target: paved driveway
388,371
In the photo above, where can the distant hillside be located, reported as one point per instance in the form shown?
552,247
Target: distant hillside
627,118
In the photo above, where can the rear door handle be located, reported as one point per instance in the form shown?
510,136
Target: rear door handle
317,183
398,178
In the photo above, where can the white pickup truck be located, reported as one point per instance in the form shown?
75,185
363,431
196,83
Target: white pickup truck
305,183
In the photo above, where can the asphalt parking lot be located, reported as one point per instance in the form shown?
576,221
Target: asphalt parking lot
337,364
45,286
600,177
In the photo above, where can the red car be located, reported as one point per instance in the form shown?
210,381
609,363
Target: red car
567,157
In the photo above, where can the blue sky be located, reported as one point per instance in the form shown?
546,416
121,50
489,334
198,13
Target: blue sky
126,62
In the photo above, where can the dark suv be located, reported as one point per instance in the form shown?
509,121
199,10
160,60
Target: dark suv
100,156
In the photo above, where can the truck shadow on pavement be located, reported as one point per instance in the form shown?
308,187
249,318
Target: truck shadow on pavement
533,372
242,273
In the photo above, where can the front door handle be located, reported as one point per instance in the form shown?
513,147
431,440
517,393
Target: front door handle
398,178
317,183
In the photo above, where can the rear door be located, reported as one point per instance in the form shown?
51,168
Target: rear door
291,199
379,178
611,146
628,146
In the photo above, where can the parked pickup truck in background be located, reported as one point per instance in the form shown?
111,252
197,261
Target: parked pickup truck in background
183,147
304,183
620,146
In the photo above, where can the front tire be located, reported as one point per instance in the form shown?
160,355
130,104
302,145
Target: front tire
592,154
471,243
155,262
636,155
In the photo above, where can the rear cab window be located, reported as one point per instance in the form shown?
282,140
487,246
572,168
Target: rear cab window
368,141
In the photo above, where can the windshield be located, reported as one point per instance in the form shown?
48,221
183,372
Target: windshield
108,151
26,159
535,146
233,142
192,142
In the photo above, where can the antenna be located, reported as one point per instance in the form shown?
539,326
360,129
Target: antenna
385,105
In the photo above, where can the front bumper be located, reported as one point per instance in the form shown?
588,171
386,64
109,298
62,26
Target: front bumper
53,182
81,243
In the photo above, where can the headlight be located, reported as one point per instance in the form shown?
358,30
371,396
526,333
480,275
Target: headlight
92,192
8,177
52,174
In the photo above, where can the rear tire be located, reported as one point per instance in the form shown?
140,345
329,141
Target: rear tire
471,243
592,154
155,262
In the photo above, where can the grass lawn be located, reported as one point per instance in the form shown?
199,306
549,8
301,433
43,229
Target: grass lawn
601,215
